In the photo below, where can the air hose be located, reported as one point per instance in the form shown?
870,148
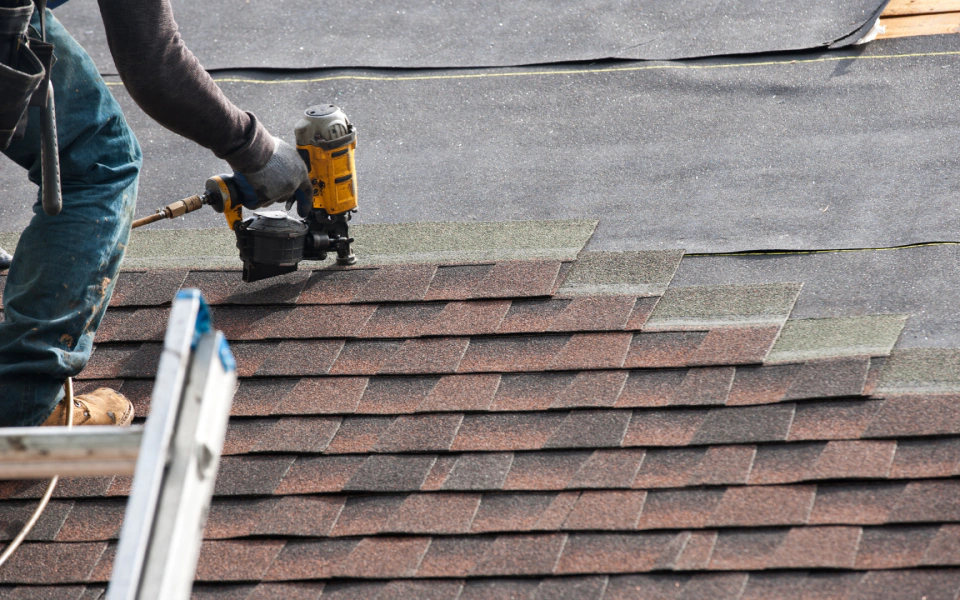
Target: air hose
173,210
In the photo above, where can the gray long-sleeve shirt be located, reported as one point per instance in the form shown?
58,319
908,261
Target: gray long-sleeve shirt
166,80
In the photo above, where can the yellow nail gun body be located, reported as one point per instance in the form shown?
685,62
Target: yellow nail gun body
327,142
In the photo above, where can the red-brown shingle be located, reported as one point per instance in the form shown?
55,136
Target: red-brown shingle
592,389
521,555
396,283
511,431
512,353
763,505
667,349
461,392
510,512
237,560
817,547
606,510
423,431
366,515
614,553
544,471
434,514
468,318
328,395
593,351
518,279
862,504
456,282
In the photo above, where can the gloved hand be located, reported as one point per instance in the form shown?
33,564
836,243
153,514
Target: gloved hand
277,181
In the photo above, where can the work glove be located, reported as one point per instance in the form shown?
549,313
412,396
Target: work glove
277,181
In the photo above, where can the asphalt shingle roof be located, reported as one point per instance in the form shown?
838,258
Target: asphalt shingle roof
521,429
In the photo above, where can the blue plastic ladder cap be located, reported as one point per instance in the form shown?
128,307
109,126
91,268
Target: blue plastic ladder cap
203,324
226,356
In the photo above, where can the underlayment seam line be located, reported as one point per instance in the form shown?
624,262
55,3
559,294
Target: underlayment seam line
403,78
821,251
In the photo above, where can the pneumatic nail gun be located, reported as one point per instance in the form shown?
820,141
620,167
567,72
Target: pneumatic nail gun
272,243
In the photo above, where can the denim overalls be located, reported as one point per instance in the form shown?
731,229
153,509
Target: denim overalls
65,266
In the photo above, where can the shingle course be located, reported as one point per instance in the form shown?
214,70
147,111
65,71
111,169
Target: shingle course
440,431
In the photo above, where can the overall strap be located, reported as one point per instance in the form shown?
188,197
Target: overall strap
21,71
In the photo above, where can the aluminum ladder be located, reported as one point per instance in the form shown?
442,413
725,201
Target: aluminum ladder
173,457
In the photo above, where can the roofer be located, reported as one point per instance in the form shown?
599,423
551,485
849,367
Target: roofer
65,266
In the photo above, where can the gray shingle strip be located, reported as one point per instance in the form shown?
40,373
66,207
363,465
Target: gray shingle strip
708,306
807,339
622,273
402,243
470,242
921,370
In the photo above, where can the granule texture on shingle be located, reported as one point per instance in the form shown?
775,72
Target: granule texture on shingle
709,306
745,424
545,428
485,471
471,242
622,273
921,370
806,339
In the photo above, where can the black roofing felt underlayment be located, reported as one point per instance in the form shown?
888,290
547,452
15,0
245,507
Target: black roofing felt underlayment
298,34
839,149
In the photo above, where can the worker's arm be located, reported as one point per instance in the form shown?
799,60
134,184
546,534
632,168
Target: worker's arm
166,80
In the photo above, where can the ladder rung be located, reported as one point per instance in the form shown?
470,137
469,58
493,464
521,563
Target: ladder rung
42,452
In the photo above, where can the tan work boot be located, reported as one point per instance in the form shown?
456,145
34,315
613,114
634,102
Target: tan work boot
100,407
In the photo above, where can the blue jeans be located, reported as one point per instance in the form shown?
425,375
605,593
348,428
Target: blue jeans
65,266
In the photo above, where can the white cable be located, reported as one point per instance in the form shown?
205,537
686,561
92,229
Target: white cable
68,409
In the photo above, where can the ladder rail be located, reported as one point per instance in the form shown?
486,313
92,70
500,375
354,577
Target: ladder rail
188,488
155,448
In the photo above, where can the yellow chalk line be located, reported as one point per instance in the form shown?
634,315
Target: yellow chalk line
561,71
